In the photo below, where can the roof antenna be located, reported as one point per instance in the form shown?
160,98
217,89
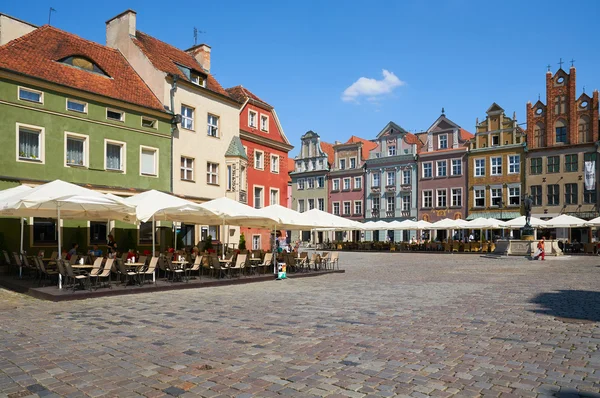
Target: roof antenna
50,14
196,31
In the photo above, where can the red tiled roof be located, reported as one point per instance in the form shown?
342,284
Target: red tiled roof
367,146
164,57
36,54
240,94
328,149
465,135
410,138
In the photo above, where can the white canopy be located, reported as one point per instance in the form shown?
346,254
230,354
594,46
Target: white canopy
519,222
593,223
7,193
287,218
376,225
231,212
331,221
485,223
448,223
165,207
565,221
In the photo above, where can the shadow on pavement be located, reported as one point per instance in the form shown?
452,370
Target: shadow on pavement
572,393
570,304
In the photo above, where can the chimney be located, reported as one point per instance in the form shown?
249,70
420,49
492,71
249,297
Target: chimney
13,28
202,54
120,28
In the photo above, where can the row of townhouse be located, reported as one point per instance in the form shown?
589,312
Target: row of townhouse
132,115
447,172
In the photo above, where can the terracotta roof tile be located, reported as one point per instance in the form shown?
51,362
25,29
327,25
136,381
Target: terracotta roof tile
367,146
240,94
165,57
36,54
328,149
412,139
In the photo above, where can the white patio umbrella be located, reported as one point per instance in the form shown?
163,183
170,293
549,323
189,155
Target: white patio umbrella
484,223
7,193
331,221
595,222
565,221
56,197
519,222
448,224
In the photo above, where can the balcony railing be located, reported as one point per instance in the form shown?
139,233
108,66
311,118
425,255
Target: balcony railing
390,213
376,188
390,188
375,213
243,197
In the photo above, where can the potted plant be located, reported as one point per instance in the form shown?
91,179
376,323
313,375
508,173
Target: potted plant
242,243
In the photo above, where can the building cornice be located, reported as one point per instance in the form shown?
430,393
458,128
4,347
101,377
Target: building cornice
499,148
205,91
245,135
560,147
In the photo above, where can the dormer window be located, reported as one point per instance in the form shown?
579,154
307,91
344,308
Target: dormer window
392,150
495,140
443,141
196,79
84,64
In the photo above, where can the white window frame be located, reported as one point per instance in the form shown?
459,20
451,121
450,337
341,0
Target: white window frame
264,130
259,242
440,141
452,196
344,181
342,163
86,149
85,105
389,150
301,206
406,177
476,168
387,178
430,197
271,191
229,185
406,204
276,162
335,184
250,124
475,197
438,196
42,143
516,167
359,180
378,175
349,203
262,153
517,186
492,197
261,197
321,201
359,203
300,184
187,168
156,157
320,184
333,206
211,173
210,127
122,113
311,204
437,168
350,162
192,119
123,154
197,79
310,182
494,168
459,160
430,170
392,202
41,101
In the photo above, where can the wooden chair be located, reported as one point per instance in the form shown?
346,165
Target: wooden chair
467,247
240,263
149,270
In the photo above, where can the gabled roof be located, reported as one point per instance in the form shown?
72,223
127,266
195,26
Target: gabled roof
465,135
495,108
389,126
38,54
443,123
367,146
165,57
236,148
241,94
328,149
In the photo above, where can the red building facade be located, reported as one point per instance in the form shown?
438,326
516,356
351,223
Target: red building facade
267,150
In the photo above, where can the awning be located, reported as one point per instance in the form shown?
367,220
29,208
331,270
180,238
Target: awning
505,215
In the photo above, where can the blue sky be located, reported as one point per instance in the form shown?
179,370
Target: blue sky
305,57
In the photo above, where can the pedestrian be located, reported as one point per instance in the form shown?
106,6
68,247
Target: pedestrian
540,249
112,247
73,251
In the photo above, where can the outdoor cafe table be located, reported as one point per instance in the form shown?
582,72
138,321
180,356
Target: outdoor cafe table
82,266
134,265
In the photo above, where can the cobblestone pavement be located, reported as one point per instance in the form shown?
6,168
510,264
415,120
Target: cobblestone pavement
393,325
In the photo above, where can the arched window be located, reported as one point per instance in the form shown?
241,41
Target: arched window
539,132
584,133
83,63
561,131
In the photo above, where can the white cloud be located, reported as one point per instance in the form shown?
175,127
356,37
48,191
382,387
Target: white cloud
372,88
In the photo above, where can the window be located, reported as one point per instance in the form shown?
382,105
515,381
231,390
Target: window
258,159
229,177
427,170
428,199
391,203
187,169
145,233
561,132
357,182
252,119
440,198
514,196
346,184
26,94
259,199
311,183
30,143
589,197
78,106
321,204
539,135
358,208
496,163
187,117
495,140
571,194
320,182
406,203
76,150
536,165
406,177
115,115
456,167
584,133
496,196
336,208
479,197
213,126
441,168
392,150
376,180
114,156
553,164
391,178
352,163
301,205
375,203
274,164
83,64
514,164
479,167
264,123
346,208
212,173
148,161
456,197
274,197
443,141
553,192
536,195
342,164
255,242
571,162
196,79
44,231
98,233
336,184
301,183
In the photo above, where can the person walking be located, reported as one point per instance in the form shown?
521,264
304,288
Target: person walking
541,252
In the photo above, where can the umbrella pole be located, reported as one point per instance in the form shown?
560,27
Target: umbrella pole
59,243
175,236
153,245
223,240
21,252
